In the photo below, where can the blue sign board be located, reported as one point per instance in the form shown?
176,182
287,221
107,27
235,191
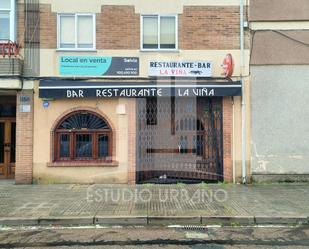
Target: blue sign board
98,66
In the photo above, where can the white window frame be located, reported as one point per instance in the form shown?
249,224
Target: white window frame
159,28
75,15
12,11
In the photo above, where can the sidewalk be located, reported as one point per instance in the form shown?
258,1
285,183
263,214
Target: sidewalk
200,204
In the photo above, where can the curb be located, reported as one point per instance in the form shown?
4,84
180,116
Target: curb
16,221
229,220
177,220
120,220
156,220
65,221
300,220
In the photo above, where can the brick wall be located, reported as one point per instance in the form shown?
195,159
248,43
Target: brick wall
227,139
48,27
209,27
118,27
20,15
24,141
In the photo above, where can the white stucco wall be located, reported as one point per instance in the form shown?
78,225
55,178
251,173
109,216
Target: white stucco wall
280,119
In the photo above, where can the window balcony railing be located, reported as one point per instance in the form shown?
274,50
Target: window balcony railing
9,48
13,65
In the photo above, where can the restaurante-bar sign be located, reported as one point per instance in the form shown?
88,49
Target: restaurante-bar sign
180,68
57,89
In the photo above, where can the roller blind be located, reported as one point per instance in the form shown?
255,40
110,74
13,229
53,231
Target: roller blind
5,25
67,31
85,31
168,32
159,32
76,31
150,32
5,4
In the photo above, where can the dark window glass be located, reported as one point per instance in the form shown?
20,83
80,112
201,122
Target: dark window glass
7,110
151,111
103,146
168,46
83,145
183,144
194,144
64,145
199,145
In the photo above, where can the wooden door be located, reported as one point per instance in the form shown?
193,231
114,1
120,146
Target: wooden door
7,147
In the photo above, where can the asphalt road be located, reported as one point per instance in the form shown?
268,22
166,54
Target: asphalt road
155,237
199,246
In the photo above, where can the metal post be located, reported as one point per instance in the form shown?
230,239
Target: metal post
243,104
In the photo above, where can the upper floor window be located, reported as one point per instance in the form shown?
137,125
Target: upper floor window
76,31
159,32
7,20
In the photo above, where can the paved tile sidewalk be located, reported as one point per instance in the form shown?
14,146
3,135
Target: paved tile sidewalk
198,203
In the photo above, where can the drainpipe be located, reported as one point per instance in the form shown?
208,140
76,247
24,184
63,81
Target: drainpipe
243,103
233,146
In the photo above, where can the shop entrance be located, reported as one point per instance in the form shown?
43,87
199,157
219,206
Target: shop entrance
179,140
7,137
7,147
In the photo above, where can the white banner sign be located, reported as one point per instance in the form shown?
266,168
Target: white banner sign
180,68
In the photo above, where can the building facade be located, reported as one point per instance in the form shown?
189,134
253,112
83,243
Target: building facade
279,91
127,92
19,59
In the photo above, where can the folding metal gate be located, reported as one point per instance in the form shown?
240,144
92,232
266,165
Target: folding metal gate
179,140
